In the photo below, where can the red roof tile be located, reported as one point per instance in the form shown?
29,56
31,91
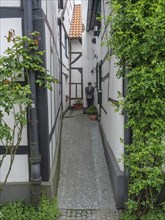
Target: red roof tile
76,28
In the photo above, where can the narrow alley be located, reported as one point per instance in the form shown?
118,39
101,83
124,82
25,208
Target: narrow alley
70,35
85,190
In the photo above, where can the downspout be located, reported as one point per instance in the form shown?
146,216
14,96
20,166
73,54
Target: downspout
35,158
61,77
70,49
127,136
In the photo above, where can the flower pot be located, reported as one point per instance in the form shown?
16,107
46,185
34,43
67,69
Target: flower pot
78,106
93,117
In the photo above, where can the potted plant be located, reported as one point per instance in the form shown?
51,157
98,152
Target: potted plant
78,104
92,112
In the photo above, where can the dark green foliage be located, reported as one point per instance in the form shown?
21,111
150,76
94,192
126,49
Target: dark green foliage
92,110
156,214
47,210
138,41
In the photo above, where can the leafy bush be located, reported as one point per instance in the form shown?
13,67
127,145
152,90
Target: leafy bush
92,110
137,38
47,210
156,214
21,59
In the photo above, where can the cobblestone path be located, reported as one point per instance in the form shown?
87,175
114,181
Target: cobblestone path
102,214
85,191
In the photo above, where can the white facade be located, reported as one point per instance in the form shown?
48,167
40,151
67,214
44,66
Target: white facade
94,54
76,71
66,18
53,65
101,71
112,122
20,169
56,61
88,53
67,15
10,3
5,25
23,175
73,74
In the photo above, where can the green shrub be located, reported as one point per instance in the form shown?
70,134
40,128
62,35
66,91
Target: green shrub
137,39
155,214
92,110
127,216
47,210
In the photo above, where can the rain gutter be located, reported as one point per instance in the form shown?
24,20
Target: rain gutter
70,50
127,136
61,78
35,158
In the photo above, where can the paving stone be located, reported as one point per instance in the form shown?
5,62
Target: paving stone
89,212
62,218
84,213
95,215
73,214
63,211
68,214
85,191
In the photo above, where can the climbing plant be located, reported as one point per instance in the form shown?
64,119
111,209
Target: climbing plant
137,38
15,96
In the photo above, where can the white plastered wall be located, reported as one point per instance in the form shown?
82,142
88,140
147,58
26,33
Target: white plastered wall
20,169
88,57
53,66
75,74
65,68
112,121
5,25
10,3
68,15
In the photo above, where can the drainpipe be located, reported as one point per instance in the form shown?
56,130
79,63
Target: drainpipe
70,49
127,136
35,158
61,80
